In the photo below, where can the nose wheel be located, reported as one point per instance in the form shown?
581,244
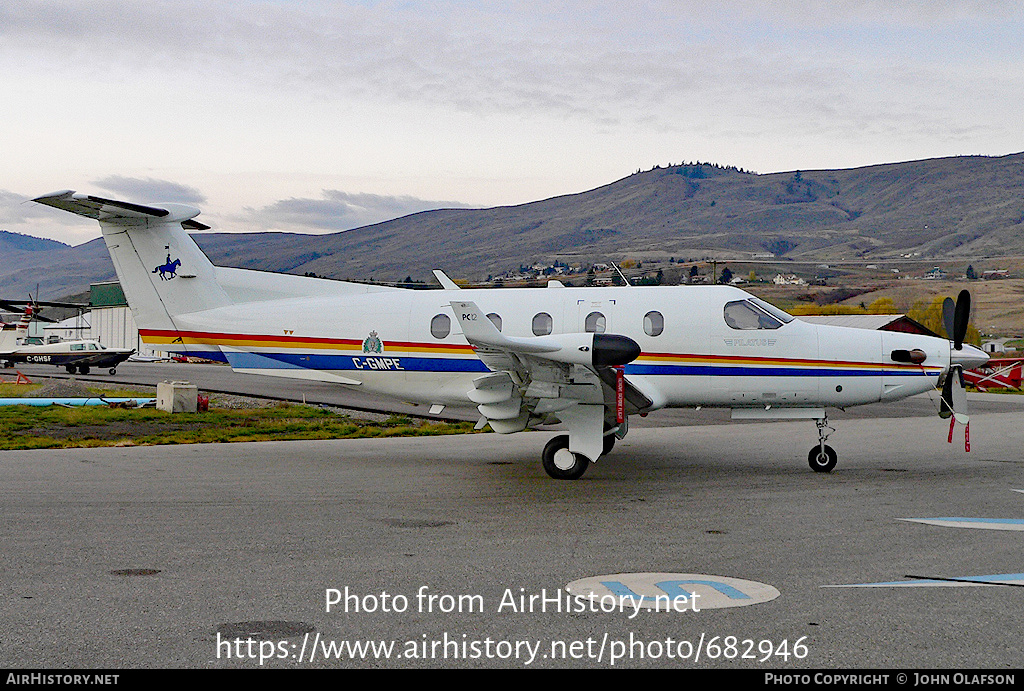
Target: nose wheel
822,457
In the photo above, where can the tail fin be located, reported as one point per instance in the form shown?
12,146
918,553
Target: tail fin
14,334
162,271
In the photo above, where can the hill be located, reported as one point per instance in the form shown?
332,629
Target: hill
16,242
948,208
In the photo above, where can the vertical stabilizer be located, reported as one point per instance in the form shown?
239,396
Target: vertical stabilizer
162,271
14,334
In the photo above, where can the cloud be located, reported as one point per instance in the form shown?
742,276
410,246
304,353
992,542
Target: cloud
149,190
16,210
584,59
338,210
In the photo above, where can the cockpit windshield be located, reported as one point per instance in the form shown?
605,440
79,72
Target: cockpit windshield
754,314
771,309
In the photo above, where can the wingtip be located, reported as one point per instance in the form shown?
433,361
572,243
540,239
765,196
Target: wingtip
59,194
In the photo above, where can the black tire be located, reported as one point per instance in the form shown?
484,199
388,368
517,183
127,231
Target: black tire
822,463
83,369
113,370
71,369
572,472
609,444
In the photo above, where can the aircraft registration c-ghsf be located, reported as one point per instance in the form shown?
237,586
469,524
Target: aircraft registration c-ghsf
584,357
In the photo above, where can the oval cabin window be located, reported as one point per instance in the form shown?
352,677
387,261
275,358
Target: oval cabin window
440,326
654,323
542,324
595,323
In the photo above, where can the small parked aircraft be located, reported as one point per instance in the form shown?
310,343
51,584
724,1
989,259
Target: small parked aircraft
585,357
75,356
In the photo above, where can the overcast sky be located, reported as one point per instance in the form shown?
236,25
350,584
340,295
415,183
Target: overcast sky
316,116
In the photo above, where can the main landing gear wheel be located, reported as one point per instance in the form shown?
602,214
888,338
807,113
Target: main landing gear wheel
561,463
71,369
609,444
822,461
113,370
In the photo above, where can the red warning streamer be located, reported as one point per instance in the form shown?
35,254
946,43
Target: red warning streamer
620,395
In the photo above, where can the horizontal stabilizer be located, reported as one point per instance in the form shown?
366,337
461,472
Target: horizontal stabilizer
120,212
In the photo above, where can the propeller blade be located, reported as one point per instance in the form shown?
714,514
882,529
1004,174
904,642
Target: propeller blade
961,316
948,310
954,396
945,411
959,401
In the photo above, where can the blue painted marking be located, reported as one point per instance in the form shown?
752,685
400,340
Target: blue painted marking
353,362
314,361
672,590
993,579
1004,521
623,591
724,588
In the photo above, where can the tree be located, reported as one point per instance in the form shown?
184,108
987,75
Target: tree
726,275
882,306
970,273
930,316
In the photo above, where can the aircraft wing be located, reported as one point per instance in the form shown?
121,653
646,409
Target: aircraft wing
560,377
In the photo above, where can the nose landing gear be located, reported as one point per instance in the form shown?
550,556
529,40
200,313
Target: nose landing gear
822,458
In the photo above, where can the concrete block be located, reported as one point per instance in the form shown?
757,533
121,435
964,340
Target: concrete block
176,396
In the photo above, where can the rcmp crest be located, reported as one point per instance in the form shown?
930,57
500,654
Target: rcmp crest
372,344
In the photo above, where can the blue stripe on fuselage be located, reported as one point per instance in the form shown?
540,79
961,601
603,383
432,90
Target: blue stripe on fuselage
361,363
404,363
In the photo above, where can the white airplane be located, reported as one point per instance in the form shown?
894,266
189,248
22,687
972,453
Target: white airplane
77,355
584,357
13,334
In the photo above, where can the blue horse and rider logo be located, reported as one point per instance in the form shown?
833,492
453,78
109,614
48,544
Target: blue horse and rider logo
168,270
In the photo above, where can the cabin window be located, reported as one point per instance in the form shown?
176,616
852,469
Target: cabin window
440,326
595,323
542,324
495,319
746,315
78,346
654,323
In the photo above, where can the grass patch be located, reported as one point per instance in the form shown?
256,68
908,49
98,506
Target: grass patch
17,390
54,427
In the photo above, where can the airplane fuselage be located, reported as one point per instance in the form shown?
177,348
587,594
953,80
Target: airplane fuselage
409,344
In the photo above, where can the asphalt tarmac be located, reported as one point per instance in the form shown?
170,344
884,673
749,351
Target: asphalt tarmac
220,378
178,556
